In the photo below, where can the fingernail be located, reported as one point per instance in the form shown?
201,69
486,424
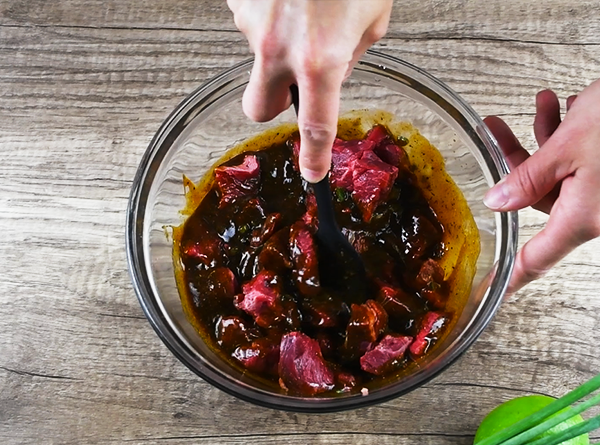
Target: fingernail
497,197
312,175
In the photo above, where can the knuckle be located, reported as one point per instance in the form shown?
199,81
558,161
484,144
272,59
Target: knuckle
317,133
525,182
316,60
376,32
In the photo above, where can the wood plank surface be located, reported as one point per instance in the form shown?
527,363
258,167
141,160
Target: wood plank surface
83,87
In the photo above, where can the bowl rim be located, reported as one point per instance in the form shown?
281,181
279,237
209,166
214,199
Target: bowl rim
183,114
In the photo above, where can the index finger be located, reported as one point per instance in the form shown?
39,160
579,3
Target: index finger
317,121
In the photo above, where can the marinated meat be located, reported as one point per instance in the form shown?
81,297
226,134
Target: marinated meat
388,352
303,252
275,253
270,226
372,182
231,332
402,307
237,181
261,299
302,369
430,328
261,356
367,322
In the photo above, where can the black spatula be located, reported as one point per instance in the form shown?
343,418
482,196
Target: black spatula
340,266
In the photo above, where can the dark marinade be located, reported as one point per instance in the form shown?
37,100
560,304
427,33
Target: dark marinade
250,268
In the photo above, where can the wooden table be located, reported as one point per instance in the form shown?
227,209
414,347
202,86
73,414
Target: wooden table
83,87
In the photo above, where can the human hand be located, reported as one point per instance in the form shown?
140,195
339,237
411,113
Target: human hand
315,44
561,178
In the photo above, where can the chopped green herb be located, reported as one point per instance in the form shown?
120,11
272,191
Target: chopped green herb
402,140
341,194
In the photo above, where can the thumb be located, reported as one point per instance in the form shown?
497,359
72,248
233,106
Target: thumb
317,121
530,181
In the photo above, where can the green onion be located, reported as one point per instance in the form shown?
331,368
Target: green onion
569,433
525,436
402,140
537,417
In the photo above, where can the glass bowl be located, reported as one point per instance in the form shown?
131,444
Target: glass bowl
210,121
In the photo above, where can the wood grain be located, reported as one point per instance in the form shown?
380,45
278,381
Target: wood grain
83,88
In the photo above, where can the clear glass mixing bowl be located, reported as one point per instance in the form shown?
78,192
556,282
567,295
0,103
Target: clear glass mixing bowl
210,121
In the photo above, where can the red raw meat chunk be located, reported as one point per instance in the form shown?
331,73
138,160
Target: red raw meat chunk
388,151
212,288
275,254
402,307
261,298
261,357
372,182
344,156
231,331
430,272
237,181
429,329
385,355
270,226
420,235
323,313
302,369
367,322
208,250
304,257
310,218
431,284
296,152
377,135
223,283
345,381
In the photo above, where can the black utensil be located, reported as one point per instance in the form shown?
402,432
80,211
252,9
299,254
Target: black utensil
340,266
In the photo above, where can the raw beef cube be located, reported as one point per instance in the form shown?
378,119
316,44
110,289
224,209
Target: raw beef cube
372,182
367,322
386,354
295,146
402,307
261,298
275,254
420,234
321,312
261,357
387,150
430,272
237,181
212,288
207,251
231,332
303,252
377,135
302,369
311,217
429,330
269,227
430,281
344,155
344,381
